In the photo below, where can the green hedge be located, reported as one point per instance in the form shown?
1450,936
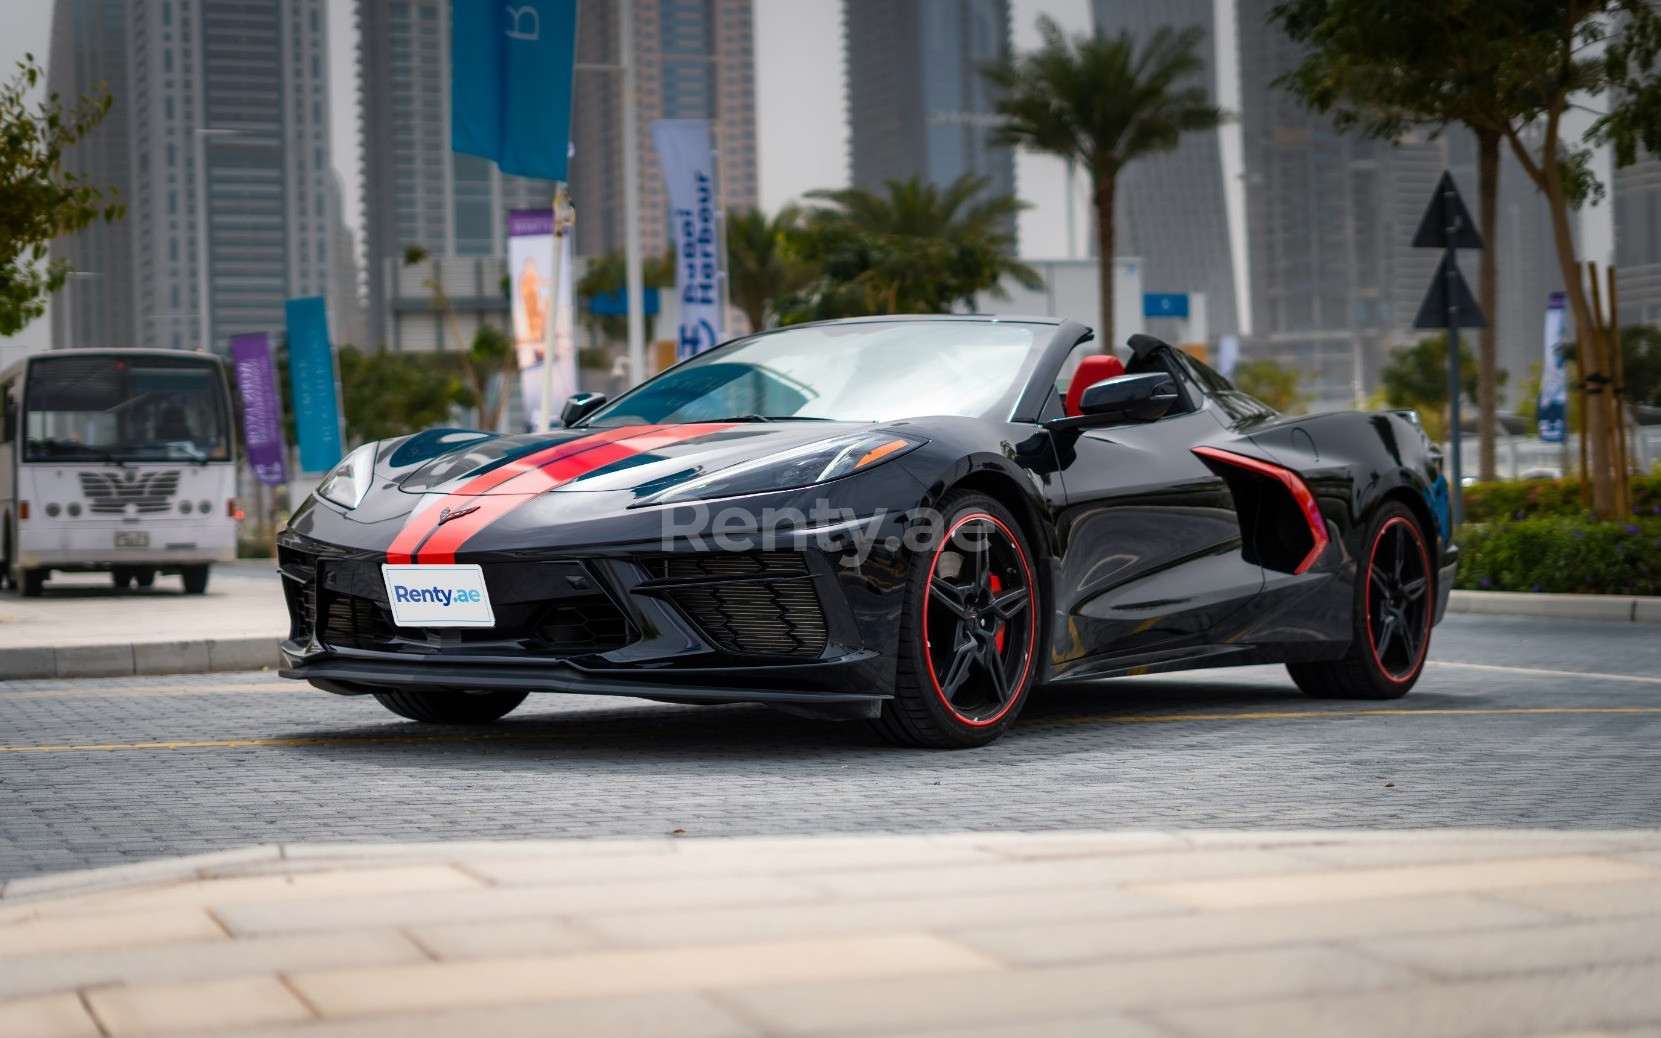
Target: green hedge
1525,498
1562,554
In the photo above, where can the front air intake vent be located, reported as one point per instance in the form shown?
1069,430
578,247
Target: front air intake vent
711,565
746,603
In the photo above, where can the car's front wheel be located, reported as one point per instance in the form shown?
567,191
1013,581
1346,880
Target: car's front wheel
970,631
438,706
1390,628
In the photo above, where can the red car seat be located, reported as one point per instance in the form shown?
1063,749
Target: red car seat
1091,370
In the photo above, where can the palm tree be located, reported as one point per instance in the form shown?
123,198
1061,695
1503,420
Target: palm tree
1102,102
919,248
760,269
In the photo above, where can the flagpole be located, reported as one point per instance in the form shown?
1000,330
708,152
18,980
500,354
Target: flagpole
555,299
635,281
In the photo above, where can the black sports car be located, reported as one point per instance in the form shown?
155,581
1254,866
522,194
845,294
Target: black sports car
914,521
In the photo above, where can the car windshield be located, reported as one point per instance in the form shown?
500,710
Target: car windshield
134,408
861,372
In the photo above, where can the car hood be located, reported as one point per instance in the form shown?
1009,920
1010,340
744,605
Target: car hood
643,459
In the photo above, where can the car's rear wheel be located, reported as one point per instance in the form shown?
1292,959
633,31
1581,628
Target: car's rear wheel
436,706
970,631
1390,628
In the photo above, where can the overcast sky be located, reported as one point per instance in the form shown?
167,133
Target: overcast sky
801,107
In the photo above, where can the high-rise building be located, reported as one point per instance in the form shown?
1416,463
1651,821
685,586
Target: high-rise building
917,102
693,59
222,104
1171,208
89,48
1637,194
1334,280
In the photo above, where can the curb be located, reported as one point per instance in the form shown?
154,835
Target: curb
140,658
1621,608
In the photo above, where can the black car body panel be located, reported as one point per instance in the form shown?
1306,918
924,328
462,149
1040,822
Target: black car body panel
1161,545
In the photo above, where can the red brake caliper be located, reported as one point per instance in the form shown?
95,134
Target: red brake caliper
998,639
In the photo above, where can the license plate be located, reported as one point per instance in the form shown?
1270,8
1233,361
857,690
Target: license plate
132,539
438,596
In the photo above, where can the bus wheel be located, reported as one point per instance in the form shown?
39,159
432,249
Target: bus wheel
32,583
195,578
122,578
144,577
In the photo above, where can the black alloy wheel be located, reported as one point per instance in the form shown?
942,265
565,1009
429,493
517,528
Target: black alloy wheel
970,634
1395,596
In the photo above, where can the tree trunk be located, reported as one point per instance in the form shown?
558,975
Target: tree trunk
1487,377
1574,285
1104,252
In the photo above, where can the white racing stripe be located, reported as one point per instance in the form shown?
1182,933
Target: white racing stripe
1547,673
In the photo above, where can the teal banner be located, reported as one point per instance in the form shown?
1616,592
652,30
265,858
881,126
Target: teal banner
311,380
511,67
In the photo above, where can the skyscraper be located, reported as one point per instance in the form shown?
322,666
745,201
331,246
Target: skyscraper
917,103
1171,208
222,103
693,59
1637,194
1330,216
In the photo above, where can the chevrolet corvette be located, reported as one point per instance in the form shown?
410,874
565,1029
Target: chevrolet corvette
914,521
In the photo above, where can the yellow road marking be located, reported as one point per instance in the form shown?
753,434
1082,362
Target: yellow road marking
516,736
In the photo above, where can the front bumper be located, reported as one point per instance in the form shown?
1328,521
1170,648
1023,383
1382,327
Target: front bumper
792,628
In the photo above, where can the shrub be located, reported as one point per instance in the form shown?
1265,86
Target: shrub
1562,554
1525,498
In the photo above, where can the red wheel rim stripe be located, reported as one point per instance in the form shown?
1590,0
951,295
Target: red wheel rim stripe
1372,640
1032,620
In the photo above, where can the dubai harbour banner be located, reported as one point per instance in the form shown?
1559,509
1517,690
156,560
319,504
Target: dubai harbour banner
530,262
1553,407
688,161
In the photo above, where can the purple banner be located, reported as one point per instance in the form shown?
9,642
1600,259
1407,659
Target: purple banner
530,221
262,409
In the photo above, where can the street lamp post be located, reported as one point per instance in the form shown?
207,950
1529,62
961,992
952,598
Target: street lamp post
203,308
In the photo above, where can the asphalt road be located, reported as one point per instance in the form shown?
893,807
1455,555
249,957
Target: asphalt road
1517,723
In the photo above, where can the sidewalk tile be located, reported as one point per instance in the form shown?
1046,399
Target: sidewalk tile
952,881
1436,852
1097,1025
700,859
1071,940
1406,881
919,1003
1531,950
502,903
1603,901
505,981
657,1016
299,886
39,936
499,940
214,1004
1616,999
1039,846
466,850
58,1015
842,918
161,870
202,960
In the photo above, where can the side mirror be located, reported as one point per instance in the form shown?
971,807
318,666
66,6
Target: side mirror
1126,398
579,406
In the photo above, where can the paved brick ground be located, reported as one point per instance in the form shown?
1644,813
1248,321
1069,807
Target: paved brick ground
1067,935
1225,756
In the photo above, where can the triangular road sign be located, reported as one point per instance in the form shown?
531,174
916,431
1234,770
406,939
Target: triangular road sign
1433,312
1446,207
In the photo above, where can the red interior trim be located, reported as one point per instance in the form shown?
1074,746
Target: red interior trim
1294,484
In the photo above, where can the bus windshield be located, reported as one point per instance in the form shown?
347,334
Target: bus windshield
103,407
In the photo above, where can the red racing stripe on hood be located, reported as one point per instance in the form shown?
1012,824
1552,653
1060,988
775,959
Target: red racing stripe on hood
442,543
422,523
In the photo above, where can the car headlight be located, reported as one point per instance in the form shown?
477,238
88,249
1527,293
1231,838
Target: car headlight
804,466
348,483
